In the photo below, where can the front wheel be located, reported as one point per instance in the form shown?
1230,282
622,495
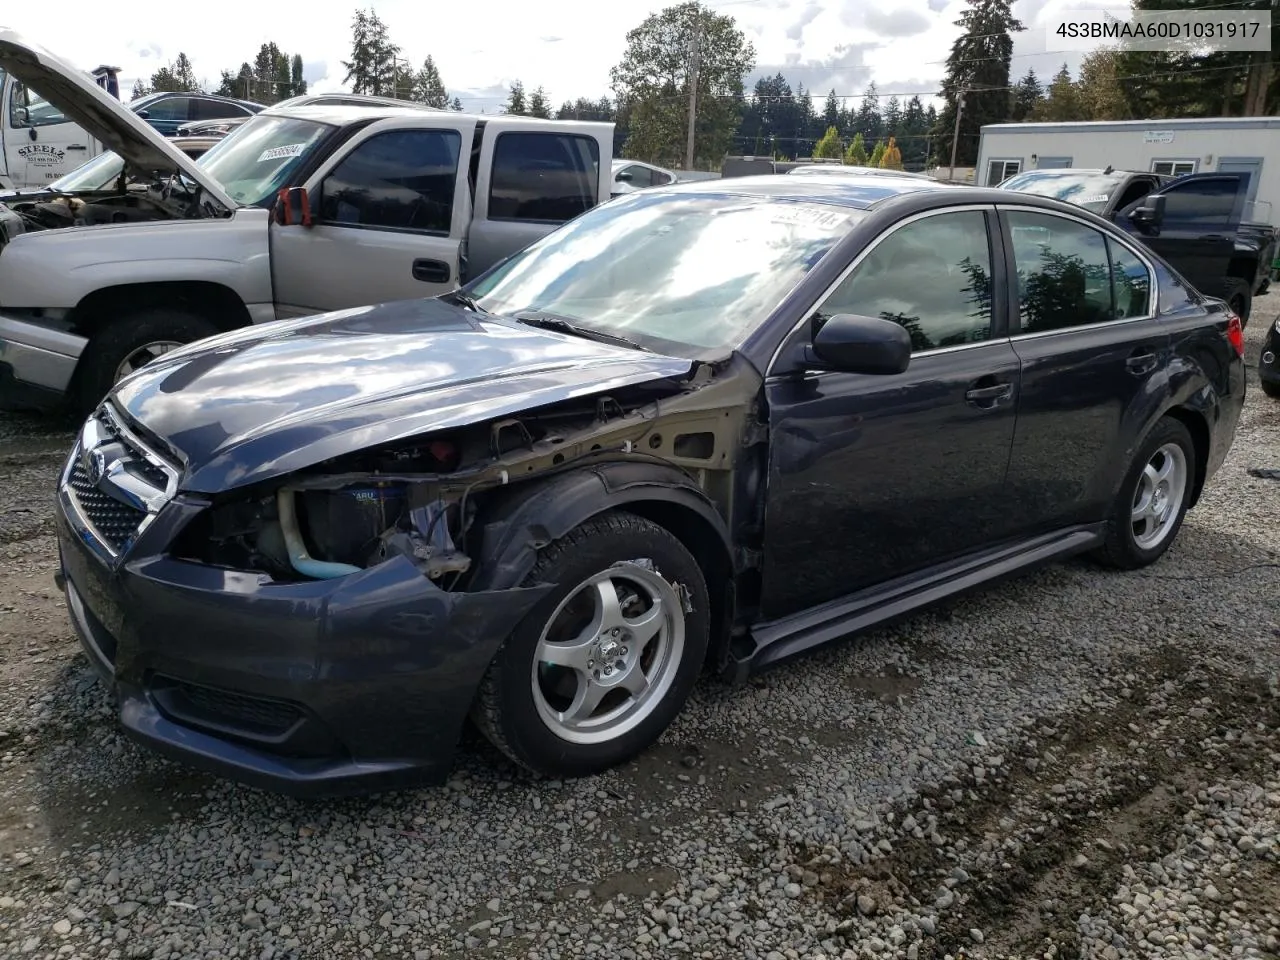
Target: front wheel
1153,498
603,664
129,343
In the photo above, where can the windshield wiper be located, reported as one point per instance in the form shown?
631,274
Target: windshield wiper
464,300
552,321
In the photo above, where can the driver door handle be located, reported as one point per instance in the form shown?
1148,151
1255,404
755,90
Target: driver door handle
431,271
996,392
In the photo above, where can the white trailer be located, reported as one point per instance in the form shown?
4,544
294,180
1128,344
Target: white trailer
1173,147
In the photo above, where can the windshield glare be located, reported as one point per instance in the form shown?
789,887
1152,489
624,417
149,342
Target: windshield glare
1088,190
682,270
254,161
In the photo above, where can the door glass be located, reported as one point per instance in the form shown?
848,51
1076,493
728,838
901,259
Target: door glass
1130,282
547,177
1062,270
170,108
932,276
1201,205
401,180
40,112
215,110
638,176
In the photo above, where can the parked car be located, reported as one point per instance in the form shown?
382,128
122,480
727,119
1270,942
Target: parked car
169,111
632,175
1268,362
703,425
301,210
1197,222
354,100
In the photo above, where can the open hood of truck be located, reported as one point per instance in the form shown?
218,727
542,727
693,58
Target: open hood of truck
102,116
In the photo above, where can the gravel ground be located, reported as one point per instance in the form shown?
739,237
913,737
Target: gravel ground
1078,763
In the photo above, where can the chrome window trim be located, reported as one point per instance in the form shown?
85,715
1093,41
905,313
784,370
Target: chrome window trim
1153,294
854,264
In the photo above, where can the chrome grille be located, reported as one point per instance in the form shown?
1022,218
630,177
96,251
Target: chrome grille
113,484
114,521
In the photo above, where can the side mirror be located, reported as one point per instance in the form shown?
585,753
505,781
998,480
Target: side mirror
623,177
144,114
1151,213
292,207
857,344
21,116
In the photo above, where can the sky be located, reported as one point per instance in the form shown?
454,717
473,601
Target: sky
482,46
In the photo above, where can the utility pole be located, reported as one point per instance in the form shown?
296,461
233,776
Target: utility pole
693,94
955,136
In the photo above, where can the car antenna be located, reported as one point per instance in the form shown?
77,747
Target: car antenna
1109,169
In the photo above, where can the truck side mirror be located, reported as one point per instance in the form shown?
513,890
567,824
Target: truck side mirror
1151,214
21,117
292,207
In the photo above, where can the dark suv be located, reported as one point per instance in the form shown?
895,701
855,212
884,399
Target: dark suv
169,111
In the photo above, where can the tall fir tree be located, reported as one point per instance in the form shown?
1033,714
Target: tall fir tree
978,70
1027,94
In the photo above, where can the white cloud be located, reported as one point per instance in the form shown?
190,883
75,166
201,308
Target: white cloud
482,46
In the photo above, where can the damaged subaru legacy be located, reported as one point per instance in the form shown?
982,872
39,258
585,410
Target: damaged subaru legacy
697,429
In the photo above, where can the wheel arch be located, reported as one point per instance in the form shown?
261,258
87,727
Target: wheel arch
521,521
212,301
1196,424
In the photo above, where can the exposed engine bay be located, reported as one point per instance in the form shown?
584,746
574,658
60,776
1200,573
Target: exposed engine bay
424,499
126,202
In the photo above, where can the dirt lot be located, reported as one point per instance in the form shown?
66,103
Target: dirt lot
1076,764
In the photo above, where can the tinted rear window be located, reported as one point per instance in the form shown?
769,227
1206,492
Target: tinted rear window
549,177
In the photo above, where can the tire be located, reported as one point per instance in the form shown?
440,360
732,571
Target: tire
1239,298
120,340
1271,388
525,703
1168,442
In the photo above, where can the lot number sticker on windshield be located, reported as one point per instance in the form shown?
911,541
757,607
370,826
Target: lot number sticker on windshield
279,153
1100,198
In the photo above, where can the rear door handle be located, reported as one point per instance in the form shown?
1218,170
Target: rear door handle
1141,363
431,271
993,394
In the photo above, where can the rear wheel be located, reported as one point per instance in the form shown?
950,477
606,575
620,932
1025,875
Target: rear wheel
1153,499
603,664
131,342
1239,298
1271,388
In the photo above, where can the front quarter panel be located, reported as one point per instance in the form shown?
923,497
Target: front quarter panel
56,269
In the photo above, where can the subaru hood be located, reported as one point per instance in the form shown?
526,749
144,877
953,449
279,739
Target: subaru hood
262,402
101,115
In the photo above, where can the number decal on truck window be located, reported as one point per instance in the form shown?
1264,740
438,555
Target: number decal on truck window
279,153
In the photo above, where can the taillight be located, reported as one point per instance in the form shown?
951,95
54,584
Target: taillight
1235,333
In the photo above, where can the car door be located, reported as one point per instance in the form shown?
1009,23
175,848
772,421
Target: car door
167,114
41,143
1196,232
390,210
1091,351
875,477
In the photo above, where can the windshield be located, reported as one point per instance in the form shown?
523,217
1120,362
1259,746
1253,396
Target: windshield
98,174
256,160
1088,190
671,271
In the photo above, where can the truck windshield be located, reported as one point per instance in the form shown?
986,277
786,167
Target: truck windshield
1088,189
252,163
675,272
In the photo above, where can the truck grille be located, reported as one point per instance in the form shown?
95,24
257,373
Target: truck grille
113,485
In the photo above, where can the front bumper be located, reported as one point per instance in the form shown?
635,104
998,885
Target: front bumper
36,363
340,686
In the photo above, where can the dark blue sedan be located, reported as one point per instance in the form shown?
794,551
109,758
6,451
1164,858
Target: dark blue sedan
168,111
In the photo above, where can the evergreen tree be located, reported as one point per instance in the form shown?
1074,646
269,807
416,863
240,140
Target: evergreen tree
1027,95
428,88
140,89
978,70
893,117
538,106
831,112
877,155
456,106
829,147
298,86
1062,105
856,155
868,121
515,100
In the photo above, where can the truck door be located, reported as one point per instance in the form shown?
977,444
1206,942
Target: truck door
533,175
41,144
1197,231
389,213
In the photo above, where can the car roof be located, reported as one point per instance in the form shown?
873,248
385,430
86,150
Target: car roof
859,193
167,94
864,193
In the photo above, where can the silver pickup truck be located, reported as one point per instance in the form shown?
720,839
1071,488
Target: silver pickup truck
300,210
